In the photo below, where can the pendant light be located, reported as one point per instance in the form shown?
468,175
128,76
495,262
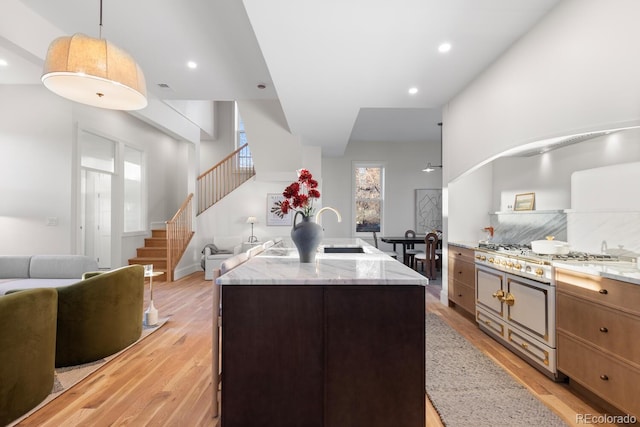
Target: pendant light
430,167
94,72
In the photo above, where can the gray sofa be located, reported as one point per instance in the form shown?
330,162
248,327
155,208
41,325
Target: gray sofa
18,272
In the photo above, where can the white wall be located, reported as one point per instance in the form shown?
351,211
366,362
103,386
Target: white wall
35,171
404,164
39,179
549,174
214,150
575,71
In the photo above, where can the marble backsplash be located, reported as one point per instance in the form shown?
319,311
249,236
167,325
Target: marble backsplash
613,233
607,232
524,227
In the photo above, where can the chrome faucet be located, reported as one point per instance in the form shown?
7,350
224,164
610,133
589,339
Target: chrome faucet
603,247
327,208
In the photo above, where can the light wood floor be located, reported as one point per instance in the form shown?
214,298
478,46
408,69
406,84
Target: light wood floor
166,379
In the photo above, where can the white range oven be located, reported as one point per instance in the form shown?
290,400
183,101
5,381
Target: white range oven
516,303
516,300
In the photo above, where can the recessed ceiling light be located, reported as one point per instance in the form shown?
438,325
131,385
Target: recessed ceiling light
444,47
413,90
3,63
192,65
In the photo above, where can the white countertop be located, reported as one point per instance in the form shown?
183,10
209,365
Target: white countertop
617,270
281,265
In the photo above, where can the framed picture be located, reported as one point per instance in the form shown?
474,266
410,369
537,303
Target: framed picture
428,210
272,218
524,202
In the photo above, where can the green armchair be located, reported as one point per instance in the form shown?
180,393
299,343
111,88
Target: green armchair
99,315
27,350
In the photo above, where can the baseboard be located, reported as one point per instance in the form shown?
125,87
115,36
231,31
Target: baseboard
184,271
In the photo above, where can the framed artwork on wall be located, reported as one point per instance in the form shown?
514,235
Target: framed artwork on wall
524,202
272,218
428,210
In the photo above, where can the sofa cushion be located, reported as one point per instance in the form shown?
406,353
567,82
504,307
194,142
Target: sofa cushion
60,266
12,285
14,266
227,242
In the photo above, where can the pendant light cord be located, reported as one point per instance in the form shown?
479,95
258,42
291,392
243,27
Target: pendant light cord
100,19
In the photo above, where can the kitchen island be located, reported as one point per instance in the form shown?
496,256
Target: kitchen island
340,341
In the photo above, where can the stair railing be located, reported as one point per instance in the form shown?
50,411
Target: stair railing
179,234
224,177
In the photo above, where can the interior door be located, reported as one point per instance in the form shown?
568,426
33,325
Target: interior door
96,216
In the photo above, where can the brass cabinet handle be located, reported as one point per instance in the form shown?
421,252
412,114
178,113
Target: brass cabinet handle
604,330
459,295
603,291
524,345
509,299
498,294
603,377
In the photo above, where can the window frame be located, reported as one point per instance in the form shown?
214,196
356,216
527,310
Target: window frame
367,164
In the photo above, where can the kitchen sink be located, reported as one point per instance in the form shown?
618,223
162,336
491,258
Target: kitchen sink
343,250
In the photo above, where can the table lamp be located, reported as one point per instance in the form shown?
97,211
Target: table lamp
252,220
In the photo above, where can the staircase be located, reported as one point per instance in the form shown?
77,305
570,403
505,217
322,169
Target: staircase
154,252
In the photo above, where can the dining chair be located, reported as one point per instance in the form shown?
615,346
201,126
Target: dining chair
231,263
268,244
255,251
428,258
392,254
409,249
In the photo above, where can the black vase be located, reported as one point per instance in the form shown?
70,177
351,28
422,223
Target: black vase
306,235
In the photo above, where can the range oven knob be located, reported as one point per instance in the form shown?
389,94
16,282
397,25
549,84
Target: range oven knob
482,257
503,262
509,264
491,260
539,272
517,266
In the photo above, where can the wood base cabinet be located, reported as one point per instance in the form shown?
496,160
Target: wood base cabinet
323,355
598,322
462,279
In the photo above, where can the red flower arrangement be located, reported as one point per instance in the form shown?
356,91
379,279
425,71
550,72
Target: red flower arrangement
299,195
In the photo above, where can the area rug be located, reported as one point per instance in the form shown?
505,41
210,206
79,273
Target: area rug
67,377
469,389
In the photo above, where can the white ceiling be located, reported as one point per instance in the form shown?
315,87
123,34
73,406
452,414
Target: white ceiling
341,69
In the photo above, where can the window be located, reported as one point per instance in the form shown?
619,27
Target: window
97,152
245,161
368,193
133,202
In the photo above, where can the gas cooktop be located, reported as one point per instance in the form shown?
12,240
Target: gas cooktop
520,250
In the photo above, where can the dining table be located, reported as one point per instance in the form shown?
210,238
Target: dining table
407,241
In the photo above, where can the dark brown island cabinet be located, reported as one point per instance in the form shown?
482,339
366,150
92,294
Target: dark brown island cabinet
333,355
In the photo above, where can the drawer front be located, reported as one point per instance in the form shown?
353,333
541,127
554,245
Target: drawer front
463,295
462,271
614,331
614,293
613,381
489,322
537,352
458,252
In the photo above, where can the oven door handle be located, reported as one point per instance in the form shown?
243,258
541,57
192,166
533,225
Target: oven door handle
509,299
